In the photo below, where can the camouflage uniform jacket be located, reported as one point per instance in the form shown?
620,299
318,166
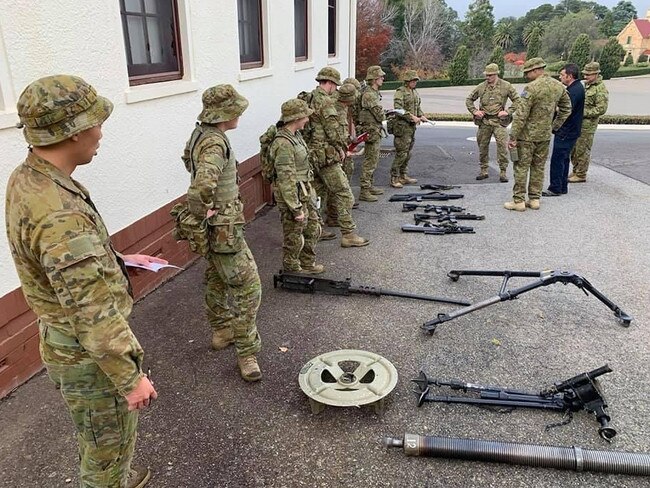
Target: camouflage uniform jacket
290,158
493,98
71,276
533,119
324,122
596,101
209,158
372,114
409,101
344,118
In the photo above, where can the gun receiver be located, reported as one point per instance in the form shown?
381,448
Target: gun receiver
310,284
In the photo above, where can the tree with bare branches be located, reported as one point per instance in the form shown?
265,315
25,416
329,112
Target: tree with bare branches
374,32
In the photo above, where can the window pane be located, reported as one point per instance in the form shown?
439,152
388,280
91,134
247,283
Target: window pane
331,27
300,27
155,46
150,6
136,39
250,45
132,5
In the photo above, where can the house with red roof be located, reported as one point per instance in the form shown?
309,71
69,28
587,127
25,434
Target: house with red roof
635,37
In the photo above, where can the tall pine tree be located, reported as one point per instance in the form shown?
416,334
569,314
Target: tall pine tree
459,67
497,58
581,51
610,58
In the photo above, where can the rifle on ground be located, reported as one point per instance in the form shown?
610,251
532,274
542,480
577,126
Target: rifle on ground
573,395
311,284
432,186
423,217
545,278
418,197
426,227
427,207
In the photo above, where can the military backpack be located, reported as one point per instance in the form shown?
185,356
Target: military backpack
266,161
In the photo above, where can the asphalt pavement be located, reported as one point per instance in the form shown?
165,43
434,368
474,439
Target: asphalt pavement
210,429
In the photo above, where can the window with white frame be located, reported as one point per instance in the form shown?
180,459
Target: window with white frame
301,29
152,41
251,40
331,28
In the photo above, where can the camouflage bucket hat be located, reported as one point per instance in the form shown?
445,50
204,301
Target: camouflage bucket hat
347,92
534,63
592,68
491,69
410,75
329,74
354,81
221,103
54,108
295,109
374,72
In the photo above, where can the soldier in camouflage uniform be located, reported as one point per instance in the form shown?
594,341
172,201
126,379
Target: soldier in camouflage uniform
371,117
75,282
596,101
492,118
407,99
293,191
543,107
233,290
327,151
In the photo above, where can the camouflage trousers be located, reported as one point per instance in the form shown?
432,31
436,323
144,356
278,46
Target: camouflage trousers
404,139
348,167
581,154
300,238
106,430
332,184
232,297
532,158
370,161
483,136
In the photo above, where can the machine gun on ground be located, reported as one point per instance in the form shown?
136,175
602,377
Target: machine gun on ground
426,227
545,278
573,395
418,197
424,217
311,284
428,207
432,186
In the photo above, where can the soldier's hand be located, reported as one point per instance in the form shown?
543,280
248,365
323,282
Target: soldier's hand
142,395
210,213
300,217
479,114
512,144
342,154
414,119
502,113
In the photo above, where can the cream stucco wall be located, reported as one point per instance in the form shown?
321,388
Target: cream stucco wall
138,169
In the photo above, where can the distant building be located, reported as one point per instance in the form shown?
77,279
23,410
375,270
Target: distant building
635,37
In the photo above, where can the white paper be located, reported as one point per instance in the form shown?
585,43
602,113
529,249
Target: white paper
155,267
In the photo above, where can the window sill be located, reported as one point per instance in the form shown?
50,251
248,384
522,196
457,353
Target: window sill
255,73
8,119
334,60
303,65
140,93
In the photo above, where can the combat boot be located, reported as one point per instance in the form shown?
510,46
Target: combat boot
518,206
395,182
576,179
326,235
249,368
312,268
353,240
355,204
533,204
407,180
376,191
366,196
503,178
482,176
222,338
138,477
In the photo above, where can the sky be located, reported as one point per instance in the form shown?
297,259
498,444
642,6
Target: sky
517,8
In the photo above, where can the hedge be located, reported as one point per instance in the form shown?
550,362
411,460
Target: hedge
605,119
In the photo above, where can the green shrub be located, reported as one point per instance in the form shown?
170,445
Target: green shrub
610,58
628,60
642,59
459,67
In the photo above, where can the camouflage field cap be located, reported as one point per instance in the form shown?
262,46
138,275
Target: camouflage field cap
534,63
329,74
294,109
54,108
354,81
491,69
347,92
221,103
410,75
374,72
592,68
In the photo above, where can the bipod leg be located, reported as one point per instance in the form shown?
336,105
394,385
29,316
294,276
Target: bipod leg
625,318
430,326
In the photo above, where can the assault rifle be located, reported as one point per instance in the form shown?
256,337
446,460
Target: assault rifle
427,207
418,197
545,278
573,395
431,186
426,227
311,284
424,217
